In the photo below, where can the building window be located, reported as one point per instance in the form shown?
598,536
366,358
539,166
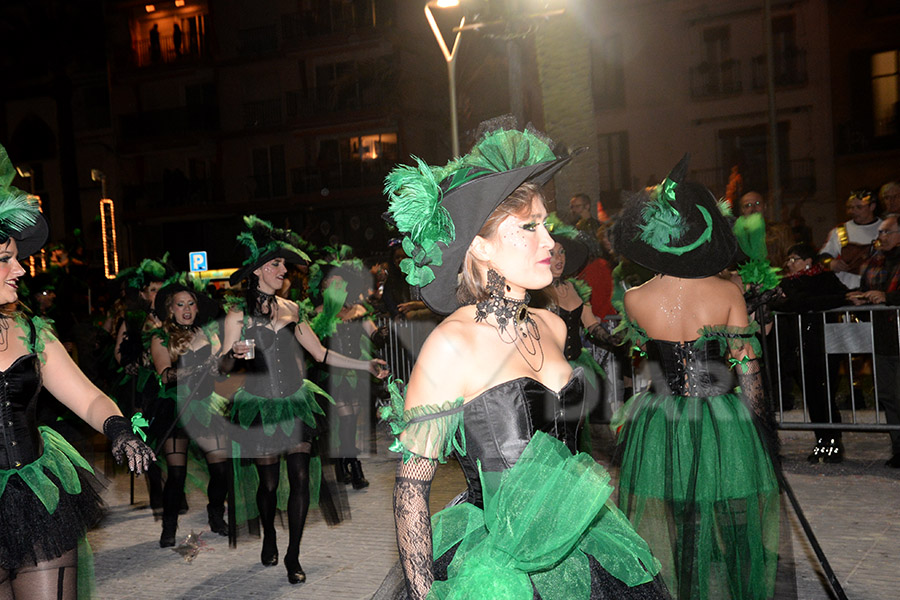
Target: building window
612,165
608,73
885,80
269,172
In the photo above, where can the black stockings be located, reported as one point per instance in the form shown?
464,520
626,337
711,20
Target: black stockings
298,500
175,450
57,578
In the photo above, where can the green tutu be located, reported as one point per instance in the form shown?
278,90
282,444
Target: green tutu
279,413
541,521
698,485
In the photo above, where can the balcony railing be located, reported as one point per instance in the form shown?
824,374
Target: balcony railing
263,113
257,40
790,70
328,18
798,177
711,80
173,191
169,121
145,53
343,175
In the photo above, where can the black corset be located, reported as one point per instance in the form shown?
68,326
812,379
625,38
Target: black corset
20,442
500,422
680,369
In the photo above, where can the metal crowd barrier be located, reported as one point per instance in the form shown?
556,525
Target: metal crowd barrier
405,339
846,332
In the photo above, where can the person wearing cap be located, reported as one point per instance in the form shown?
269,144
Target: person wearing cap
697,478
276,406
185,350
47,490
492,387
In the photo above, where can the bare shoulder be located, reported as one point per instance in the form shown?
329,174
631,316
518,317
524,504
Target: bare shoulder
723,288
289,306
551,322
447,357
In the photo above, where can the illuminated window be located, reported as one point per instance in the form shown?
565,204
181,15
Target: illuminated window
149,8
179,3
373,147
885,85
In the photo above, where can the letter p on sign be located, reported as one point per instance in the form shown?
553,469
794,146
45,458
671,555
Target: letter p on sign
198,261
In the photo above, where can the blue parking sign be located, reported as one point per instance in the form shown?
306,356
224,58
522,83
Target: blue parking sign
198,261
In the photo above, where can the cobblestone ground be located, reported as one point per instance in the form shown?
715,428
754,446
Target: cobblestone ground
853,507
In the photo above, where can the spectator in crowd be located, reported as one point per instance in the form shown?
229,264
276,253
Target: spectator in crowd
807,286
889,196
849,244
880,284
580,205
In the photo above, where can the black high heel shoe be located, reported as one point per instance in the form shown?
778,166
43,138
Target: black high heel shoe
295,572
269,555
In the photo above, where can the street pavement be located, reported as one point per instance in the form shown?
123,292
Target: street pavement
853,507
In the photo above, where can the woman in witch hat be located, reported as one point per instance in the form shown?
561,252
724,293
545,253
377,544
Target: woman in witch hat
185,353
492,387
47,490
697,480
276,406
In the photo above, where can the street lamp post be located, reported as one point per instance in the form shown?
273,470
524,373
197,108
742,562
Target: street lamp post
450,57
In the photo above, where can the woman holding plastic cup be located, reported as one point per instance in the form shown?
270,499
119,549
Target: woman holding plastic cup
276,406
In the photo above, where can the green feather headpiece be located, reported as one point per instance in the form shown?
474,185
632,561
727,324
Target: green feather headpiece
147,271
18,210
262,238
415,193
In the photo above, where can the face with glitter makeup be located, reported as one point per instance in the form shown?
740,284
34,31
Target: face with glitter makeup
271,275
184,308
557,260
10,271
520,250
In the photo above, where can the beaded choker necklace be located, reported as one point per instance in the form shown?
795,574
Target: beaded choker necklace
515,324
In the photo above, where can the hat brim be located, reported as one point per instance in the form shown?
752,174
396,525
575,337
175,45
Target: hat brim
708,259
576,254
288,255
31,239
469,206
207,308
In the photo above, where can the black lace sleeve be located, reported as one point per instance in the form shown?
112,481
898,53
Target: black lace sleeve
413,521
753,394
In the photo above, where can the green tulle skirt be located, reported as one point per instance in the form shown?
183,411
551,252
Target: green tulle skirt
699,486
542,520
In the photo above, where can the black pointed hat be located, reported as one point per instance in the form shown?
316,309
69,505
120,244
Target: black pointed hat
675,228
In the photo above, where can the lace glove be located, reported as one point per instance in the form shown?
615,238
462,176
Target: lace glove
126,445
413,520
601,337
753,394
